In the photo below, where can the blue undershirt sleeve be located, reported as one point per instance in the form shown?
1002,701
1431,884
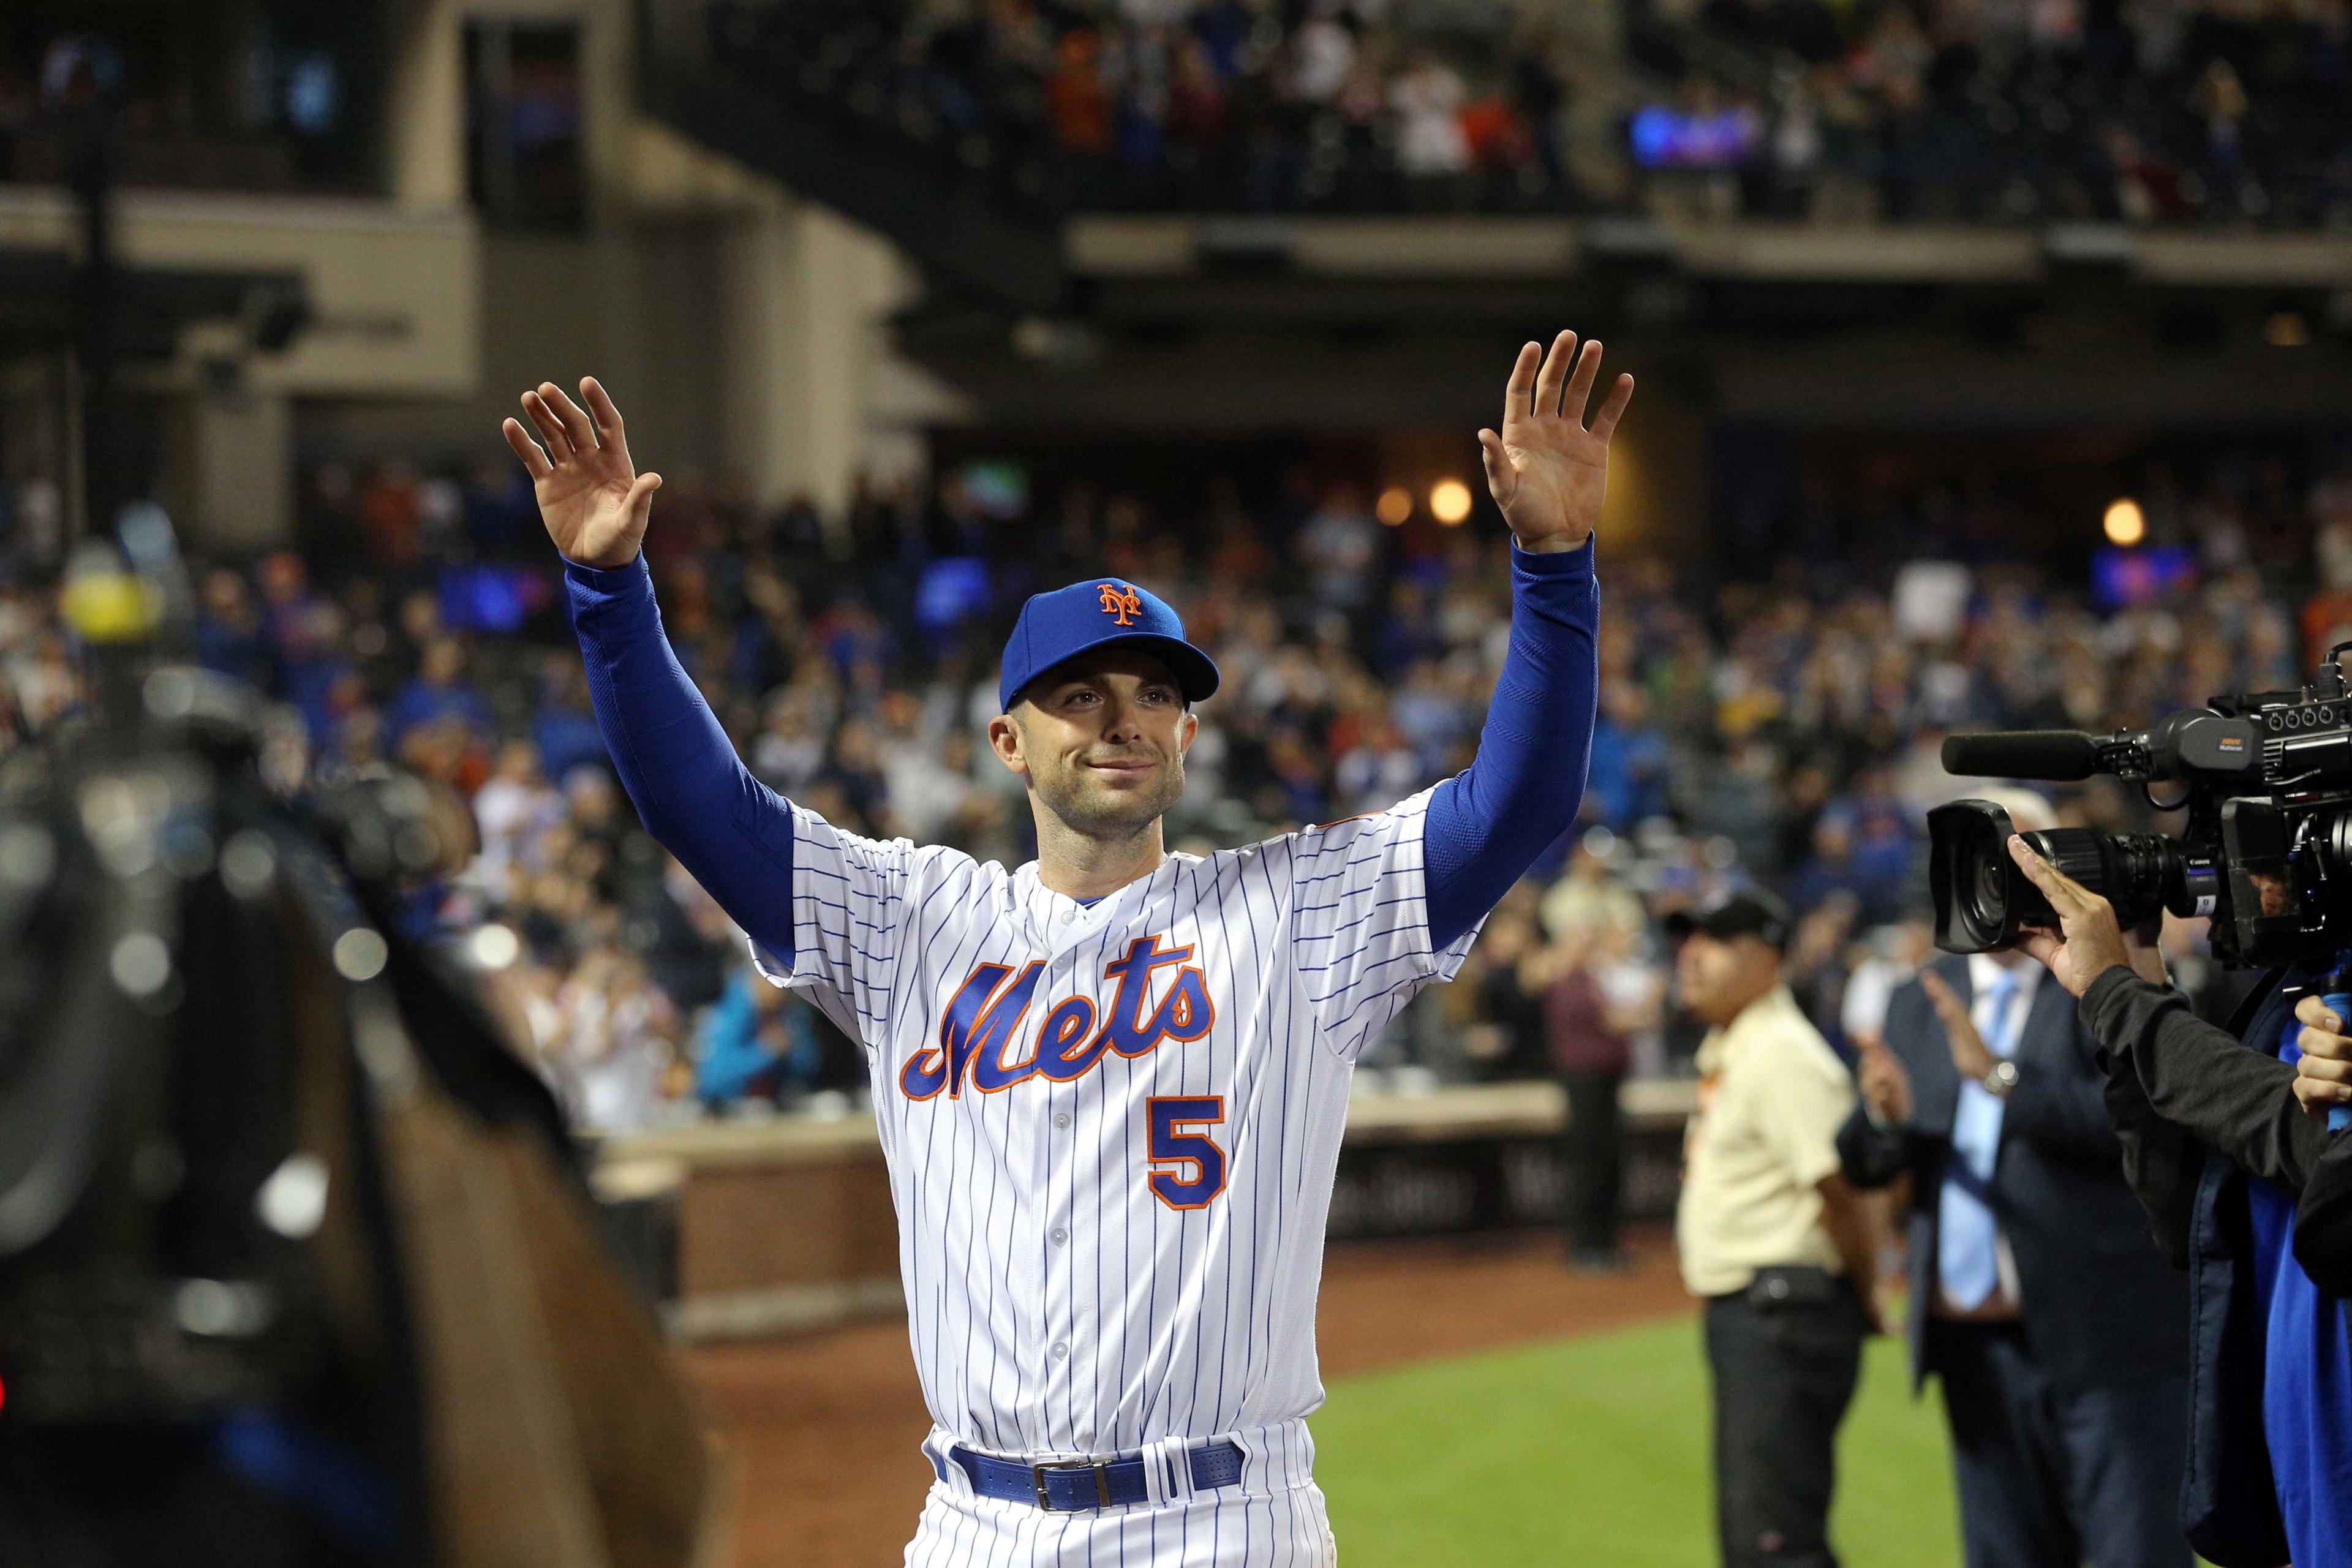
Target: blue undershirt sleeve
691,791
1487,823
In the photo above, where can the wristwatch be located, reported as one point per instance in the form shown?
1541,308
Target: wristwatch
2000,1080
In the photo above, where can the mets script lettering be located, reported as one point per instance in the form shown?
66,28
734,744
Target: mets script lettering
981,1024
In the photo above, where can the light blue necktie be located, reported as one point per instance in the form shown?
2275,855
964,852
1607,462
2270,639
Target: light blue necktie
1964,1259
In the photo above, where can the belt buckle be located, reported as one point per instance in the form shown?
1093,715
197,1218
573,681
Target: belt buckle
1102,1482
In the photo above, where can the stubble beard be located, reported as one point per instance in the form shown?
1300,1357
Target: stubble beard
1104,816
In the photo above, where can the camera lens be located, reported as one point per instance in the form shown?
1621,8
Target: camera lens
1970,878
1983,899
1988,906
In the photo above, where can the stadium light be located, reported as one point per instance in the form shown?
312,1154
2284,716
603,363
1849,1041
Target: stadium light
1449,501
1394,506
2125,523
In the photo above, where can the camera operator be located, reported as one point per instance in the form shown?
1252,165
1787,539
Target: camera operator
2220,1149
2322,1221
2038,1305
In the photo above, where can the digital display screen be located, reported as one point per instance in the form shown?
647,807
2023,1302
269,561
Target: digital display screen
1665,138
999,487
2120,578
492,599
952,590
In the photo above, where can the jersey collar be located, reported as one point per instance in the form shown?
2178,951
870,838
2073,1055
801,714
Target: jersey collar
1064,922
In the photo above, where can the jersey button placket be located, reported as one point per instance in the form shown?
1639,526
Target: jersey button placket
1072,1173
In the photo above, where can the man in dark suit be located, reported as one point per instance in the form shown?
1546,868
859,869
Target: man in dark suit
2037,1298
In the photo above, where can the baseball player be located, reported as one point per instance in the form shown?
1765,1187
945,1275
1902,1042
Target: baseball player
1111,1084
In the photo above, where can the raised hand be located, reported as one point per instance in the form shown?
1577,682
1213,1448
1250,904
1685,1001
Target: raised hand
1548,469
1880,1075
591,496
1972,1057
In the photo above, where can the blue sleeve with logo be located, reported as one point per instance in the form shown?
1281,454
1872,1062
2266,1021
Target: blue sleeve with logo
1488,823
681,772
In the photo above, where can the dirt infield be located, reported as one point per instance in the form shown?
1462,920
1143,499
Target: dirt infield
823,1429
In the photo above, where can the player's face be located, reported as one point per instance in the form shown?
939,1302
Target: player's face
1101,741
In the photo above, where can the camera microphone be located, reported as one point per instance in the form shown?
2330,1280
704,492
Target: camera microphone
2053,754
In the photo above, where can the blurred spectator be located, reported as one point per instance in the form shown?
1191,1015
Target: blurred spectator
229,629
1627,779
563,724
388,518
749,1046
1591,1014
515,808
615,1061
1432,148
439,693
1340,544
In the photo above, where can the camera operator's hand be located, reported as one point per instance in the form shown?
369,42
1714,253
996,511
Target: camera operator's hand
1885,1086
2322,1078
2088,943
2146,947
1972,1057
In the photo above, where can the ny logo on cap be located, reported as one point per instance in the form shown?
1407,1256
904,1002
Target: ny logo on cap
1119,600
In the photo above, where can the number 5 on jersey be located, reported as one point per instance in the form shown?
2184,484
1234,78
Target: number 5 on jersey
1200,1175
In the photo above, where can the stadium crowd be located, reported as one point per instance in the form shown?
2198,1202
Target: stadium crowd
1783,730
1957,111
2221,111
1213,104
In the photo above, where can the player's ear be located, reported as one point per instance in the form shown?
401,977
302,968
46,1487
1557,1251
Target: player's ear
1004,738
1190,727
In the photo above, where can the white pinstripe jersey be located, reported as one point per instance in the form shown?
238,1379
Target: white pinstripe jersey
1112,1129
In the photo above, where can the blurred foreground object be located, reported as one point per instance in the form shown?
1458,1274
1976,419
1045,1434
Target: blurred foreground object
295,1266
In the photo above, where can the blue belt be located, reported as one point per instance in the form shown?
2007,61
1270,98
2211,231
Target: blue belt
1083,1484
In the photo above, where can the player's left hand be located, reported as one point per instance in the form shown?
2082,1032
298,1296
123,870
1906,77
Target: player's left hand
1548,469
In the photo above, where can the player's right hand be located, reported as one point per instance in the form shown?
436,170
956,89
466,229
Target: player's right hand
591,496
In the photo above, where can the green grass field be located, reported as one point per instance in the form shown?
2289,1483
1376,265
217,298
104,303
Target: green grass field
1594,1450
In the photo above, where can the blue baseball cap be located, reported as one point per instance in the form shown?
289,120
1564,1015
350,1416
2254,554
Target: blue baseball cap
1101,612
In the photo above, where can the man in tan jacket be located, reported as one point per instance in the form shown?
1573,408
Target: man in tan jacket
1772,1237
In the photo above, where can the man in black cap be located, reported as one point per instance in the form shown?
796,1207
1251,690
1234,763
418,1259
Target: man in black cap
1771,1236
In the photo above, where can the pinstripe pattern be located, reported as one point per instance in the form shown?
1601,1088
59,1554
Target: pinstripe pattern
1058,1307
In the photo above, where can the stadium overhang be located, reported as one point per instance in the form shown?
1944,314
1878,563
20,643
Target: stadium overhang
1333,322
1328,266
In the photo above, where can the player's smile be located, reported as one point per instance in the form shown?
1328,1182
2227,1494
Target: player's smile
1130,767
